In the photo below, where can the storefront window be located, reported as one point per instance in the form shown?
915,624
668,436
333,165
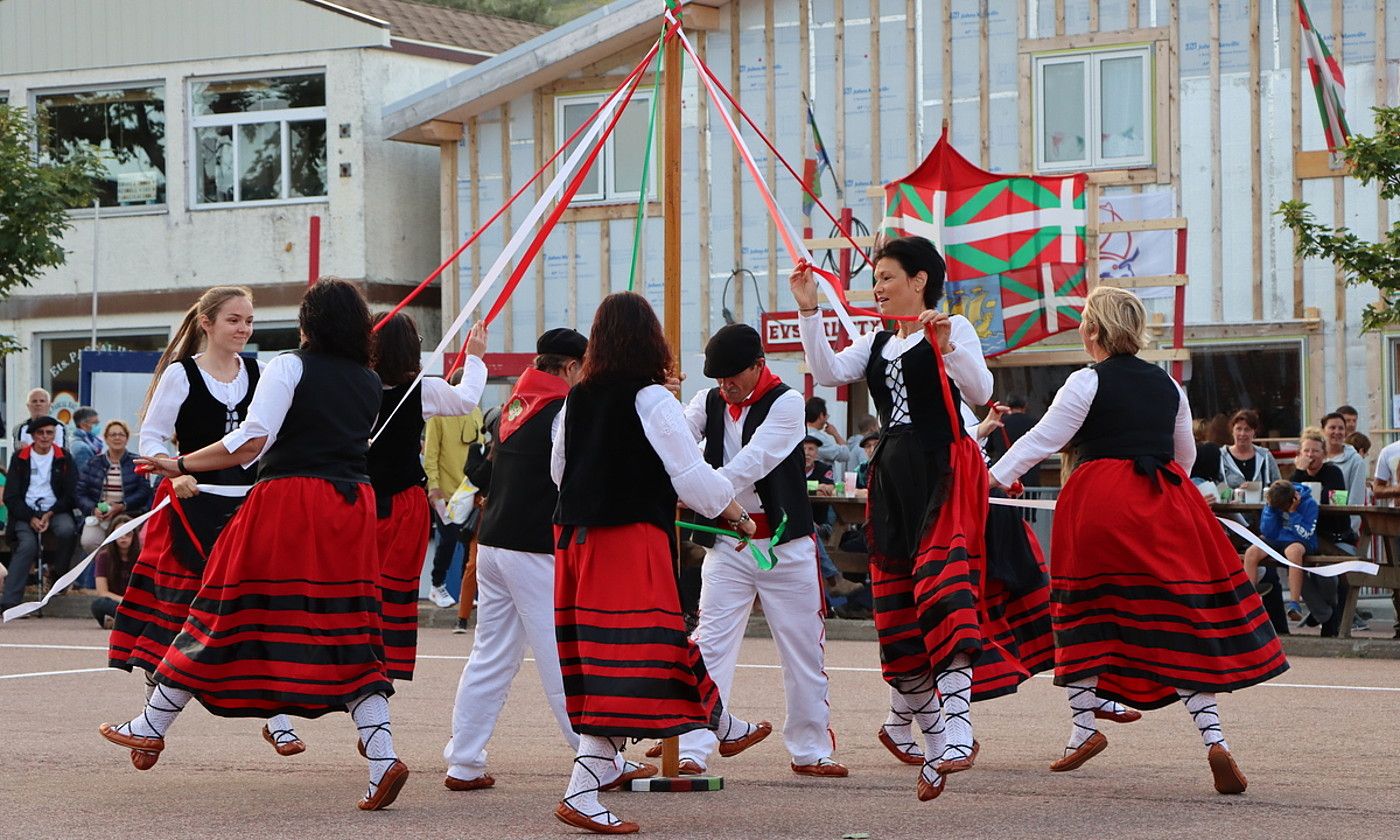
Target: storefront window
123,127
59,359
1265,377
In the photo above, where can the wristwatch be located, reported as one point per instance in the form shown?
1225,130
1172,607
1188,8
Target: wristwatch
180,465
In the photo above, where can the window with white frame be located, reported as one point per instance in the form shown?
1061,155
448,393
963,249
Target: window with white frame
123,127
1266,377
258,140
616,177
1093,109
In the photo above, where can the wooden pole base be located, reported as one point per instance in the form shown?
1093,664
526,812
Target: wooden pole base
677,784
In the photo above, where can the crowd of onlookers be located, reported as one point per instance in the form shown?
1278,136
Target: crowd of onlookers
65,489
1328,467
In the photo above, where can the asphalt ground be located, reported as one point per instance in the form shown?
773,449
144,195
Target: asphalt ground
1318,744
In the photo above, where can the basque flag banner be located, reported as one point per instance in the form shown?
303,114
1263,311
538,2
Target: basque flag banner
1328,85
1014,244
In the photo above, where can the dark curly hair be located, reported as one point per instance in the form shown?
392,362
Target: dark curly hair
915,254
334,319
626,342
397,348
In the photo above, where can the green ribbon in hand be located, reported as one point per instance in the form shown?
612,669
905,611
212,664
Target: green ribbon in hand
765,562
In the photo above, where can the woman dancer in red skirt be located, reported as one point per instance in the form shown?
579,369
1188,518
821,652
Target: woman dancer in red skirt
396,471
622,456
1151,602
287,618
927,505
1017,590
200,391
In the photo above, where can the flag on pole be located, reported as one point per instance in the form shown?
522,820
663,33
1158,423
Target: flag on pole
814,165
1328,85
1014,244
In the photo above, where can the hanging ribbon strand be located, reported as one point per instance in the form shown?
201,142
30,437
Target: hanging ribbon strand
553,191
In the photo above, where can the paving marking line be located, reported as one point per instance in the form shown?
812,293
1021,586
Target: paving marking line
52,673
751,666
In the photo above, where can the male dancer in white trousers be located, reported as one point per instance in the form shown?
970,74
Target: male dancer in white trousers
752,428
515,563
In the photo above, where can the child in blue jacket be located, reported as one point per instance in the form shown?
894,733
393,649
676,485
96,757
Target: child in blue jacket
1289,526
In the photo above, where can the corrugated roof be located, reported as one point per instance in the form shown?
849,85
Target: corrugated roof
450,27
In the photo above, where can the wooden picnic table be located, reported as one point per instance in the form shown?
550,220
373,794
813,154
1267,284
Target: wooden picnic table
1381,521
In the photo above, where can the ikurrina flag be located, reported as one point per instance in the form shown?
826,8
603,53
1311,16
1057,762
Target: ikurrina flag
1014,244
1328,85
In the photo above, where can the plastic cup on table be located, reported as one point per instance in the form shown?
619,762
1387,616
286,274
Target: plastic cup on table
811,486
850,477
1340,497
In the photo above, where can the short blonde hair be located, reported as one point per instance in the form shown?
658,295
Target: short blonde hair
1117,318
1312,433
121,424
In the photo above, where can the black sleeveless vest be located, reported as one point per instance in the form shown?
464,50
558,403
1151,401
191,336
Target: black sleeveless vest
394,463
327,429
784,490
203,420
928,414
519,513
1133,415
612,475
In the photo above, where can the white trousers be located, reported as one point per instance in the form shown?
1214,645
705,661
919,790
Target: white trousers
515,608
791,595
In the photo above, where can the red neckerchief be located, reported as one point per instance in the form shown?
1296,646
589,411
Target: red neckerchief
767,381
533,391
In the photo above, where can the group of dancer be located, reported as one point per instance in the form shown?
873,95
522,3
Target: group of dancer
300,599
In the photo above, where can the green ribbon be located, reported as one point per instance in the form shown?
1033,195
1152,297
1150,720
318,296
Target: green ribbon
646,169
765,562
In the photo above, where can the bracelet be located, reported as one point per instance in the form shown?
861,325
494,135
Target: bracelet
180,465
812,311
743,517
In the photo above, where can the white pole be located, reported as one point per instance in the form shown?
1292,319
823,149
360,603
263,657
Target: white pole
96,217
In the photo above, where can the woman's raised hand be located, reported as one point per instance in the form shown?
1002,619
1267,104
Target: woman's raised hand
804,287
941,324
476,340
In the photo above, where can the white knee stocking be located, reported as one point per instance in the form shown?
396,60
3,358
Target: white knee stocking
898,725
371,716
281,728
594,766
164,705
1203,711
955,687
731,728
1083,701
920,696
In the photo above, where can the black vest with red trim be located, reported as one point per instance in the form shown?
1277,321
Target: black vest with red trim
784,489
1133,414
519,512
928,413
612,476
203,420
327,428
394,465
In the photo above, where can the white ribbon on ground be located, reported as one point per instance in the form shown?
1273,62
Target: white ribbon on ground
508,253
126,528
1364,567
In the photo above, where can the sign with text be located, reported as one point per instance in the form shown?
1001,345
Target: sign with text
779,329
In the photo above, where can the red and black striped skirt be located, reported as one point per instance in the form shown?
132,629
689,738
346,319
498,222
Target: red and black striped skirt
1019,610
629,669
929,615
163,583
287,619
1148,593
402,538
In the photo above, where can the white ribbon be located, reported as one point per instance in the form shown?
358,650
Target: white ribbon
508,253
126,528
1365,567
796,248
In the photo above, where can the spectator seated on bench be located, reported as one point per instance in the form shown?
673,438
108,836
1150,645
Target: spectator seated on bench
1289,526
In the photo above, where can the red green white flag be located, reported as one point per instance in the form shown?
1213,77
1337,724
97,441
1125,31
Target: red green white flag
1328,85
1014,244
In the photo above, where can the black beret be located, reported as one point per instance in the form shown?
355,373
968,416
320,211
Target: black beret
562,341
731,350
41,423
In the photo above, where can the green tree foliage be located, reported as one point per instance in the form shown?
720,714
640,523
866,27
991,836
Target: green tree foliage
1374,159
34,202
